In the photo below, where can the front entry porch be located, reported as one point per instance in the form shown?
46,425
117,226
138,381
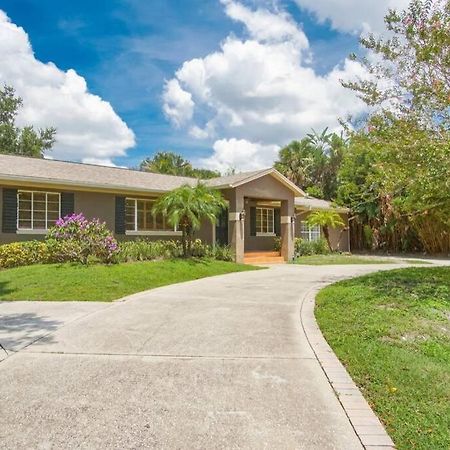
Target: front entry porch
260,221
261,230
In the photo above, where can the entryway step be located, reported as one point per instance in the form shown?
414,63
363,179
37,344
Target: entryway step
263,258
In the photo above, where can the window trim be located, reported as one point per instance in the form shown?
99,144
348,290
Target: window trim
33,230
265,233
136,232
310,231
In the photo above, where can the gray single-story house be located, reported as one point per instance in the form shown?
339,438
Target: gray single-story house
261,205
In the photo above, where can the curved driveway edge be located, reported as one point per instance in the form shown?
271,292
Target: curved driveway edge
366,424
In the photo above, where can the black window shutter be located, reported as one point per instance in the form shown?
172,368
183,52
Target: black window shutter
253,221
67,203
277,221
9,213
120,215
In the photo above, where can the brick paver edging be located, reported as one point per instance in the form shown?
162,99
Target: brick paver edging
366,424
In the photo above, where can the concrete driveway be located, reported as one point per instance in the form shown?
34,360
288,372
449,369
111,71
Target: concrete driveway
221,362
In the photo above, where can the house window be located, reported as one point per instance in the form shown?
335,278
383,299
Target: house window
139,217
309,233
37,210
264,221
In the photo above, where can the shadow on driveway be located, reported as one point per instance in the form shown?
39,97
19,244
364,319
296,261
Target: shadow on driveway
20,329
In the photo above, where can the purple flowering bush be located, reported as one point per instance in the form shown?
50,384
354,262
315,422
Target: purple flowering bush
75,238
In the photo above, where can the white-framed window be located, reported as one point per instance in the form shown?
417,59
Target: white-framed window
265,222
309,233
139,217
37,210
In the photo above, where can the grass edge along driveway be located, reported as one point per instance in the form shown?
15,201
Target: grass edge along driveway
392,332
75,282
339,259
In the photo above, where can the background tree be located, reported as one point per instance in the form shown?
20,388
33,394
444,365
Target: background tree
24,141
407,135
171,163
314,162
326,220
187,206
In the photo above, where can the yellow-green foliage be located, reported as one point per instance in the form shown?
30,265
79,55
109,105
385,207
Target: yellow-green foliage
23,253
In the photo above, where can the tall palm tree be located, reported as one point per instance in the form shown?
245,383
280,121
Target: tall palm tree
326,220
187,206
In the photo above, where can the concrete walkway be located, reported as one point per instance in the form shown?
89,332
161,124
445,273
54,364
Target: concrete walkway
221,362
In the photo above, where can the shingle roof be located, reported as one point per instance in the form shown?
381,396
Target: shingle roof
230,180
76,174
317,203
53,172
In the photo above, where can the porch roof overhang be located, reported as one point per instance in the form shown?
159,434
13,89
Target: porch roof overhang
234,181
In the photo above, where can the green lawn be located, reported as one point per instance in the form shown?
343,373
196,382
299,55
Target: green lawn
392,332
104,283
333,259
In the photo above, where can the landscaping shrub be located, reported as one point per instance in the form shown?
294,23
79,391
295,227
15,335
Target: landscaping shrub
23,253
82,239
307,248
145,250
222,253
61,251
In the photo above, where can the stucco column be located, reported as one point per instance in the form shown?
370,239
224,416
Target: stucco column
287,229
236,226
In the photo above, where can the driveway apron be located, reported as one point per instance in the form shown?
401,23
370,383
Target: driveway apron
221,362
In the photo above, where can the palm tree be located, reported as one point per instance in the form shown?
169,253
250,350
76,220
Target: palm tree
326,220
187,206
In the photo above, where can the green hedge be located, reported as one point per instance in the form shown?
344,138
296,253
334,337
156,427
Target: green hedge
59,251
306,248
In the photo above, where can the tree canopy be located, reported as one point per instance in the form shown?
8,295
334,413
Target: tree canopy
313,163
396,174
171,163
25,141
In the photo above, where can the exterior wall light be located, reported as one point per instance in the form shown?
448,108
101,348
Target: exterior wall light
242,215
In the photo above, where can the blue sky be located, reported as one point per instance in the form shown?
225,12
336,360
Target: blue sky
127,49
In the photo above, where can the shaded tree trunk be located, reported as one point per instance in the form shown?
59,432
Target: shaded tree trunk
326,233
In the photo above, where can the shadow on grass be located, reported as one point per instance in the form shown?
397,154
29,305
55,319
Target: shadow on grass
5,289
20,329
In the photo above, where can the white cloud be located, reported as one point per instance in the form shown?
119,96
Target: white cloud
87,126
239,153
265,26
353,16
178,104
256,94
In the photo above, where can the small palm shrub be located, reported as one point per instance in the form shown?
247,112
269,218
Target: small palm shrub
83,239
23,254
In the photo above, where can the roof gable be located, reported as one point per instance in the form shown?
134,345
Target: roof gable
233,181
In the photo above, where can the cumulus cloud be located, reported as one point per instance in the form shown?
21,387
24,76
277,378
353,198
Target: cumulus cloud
265,26
353,16
178,104
241,154
260,92
88,129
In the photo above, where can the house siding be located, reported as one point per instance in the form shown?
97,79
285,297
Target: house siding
339,239
92,205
